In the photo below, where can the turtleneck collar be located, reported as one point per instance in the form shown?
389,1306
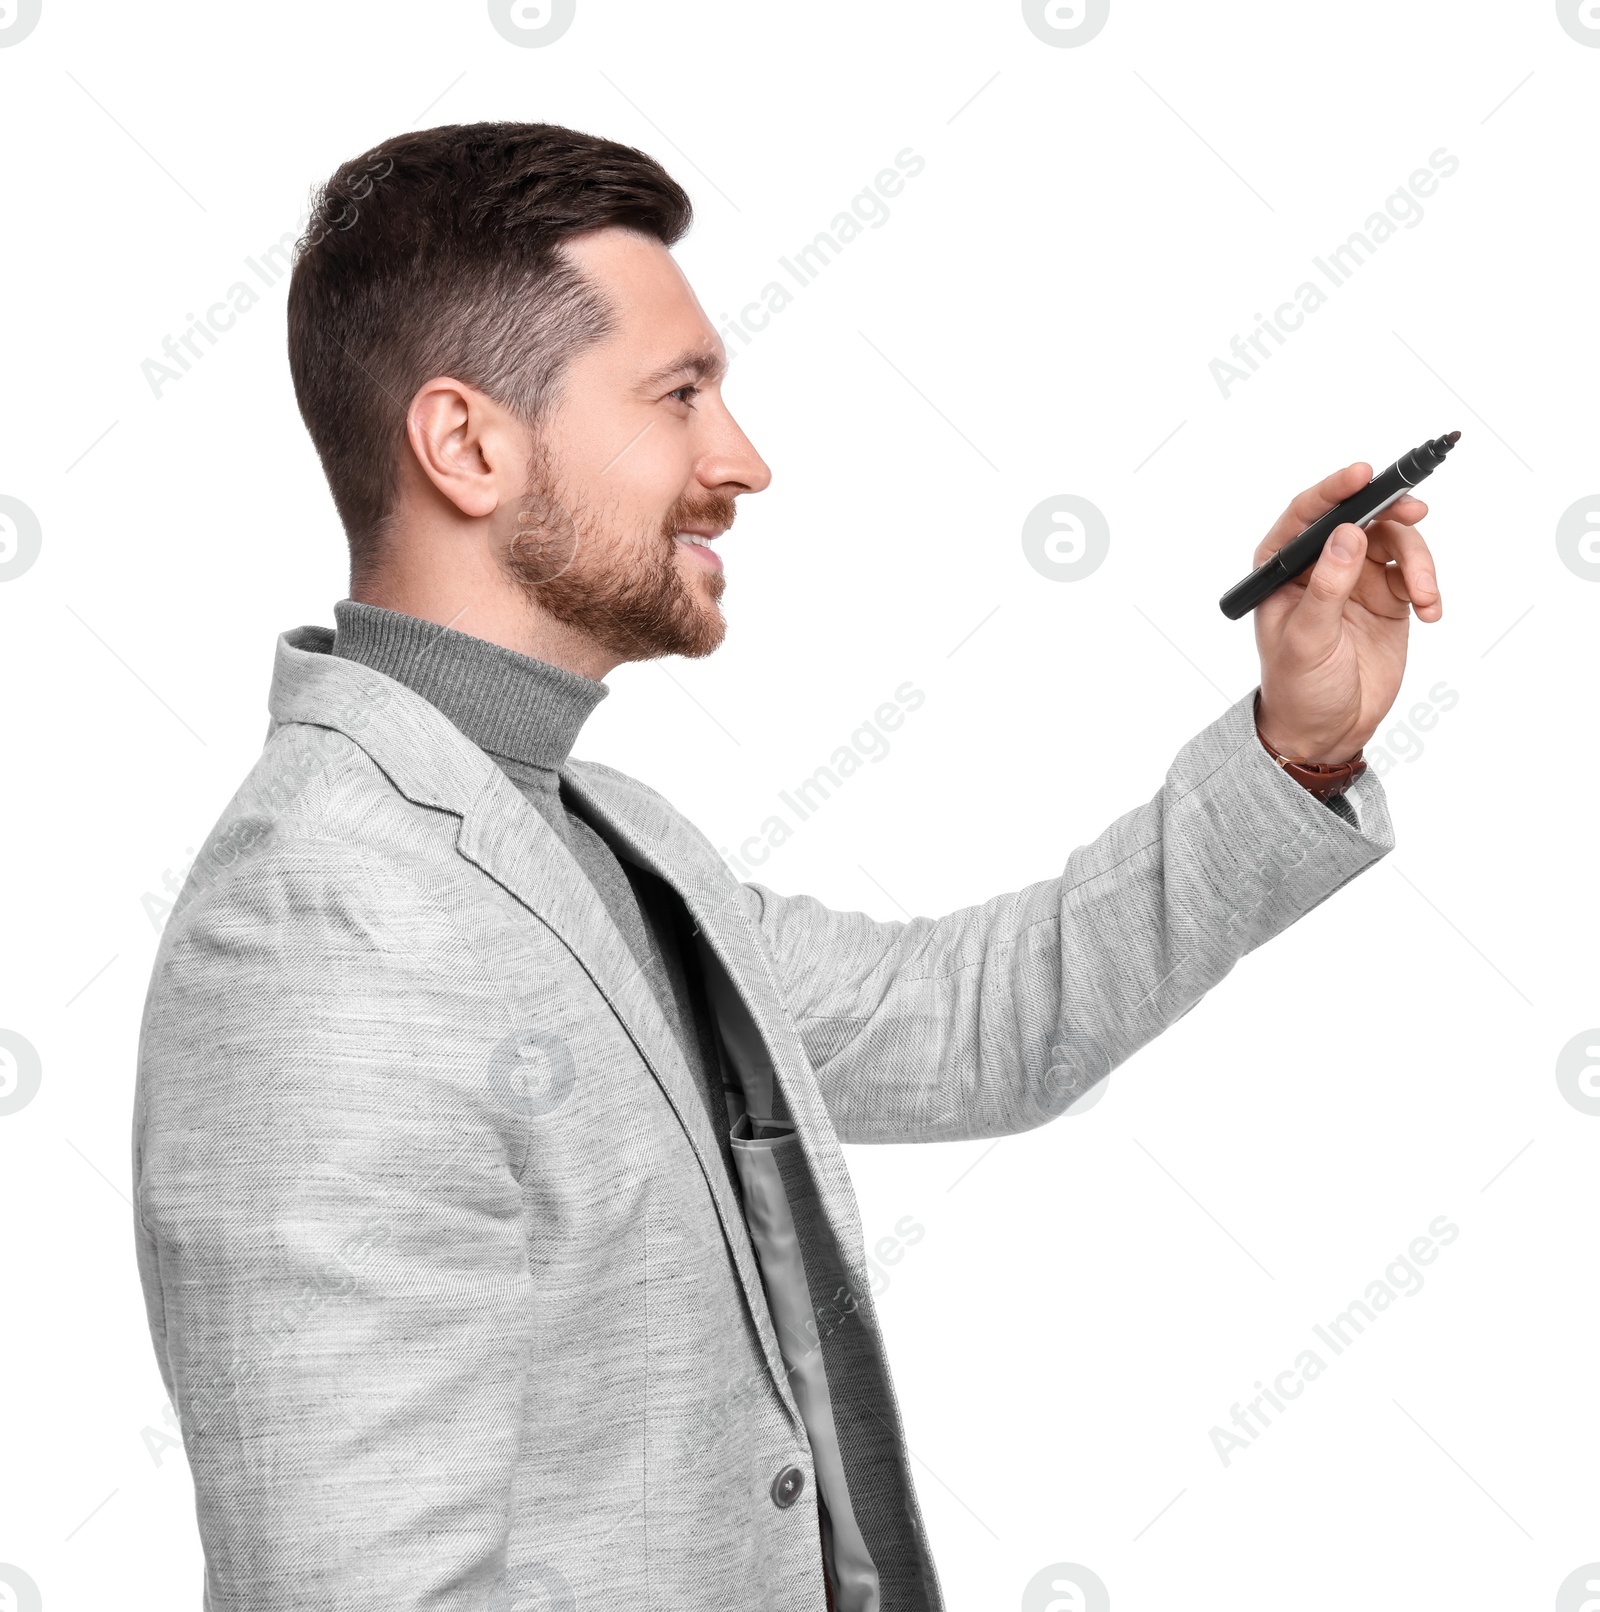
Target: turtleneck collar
508,704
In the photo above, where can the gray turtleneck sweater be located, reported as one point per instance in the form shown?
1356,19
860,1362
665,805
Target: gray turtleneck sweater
525,714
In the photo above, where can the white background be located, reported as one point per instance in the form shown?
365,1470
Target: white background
1092,227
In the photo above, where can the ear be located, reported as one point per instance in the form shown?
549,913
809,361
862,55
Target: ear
467,445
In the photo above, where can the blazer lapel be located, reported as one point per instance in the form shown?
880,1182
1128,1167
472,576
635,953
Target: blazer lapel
433,763
662,840
505,837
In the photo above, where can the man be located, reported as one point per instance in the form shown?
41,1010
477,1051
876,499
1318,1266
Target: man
497,1243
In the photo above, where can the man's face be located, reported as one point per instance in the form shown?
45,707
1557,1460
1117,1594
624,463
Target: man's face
639,453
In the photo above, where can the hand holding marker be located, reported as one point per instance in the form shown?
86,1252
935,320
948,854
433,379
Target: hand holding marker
1360,509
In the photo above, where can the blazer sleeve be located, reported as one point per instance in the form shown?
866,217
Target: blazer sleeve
329,1229
995,1018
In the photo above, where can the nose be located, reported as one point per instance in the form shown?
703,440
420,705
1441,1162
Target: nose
732,462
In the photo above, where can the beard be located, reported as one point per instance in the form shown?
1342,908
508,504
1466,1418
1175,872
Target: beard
622,588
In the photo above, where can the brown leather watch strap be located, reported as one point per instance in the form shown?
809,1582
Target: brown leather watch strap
1324,779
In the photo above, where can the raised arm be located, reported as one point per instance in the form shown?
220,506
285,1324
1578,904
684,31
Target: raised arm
995,1018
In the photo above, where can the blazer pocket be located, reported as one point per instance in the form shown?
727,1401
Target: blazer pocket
760,1135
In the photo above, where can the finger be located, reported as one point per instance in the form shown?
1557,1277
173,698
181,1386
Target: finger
1329,584
1414,561
1314,501
1382,589
1407,511
1382,542
1396,591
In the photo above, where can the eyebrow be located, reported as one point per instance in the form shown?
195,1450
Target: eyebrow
692,361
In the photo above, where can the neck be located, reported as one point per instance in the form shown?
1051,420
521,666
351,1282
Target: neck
485,606
508,703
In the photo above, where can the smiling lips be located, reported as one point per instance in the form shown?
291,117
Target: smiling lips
700,542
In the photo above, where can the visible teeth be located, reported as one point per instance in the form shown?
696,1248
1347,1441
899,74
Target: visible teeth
695,538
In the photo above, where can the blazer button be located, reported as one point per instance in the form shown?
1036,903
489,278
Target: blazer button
786,1487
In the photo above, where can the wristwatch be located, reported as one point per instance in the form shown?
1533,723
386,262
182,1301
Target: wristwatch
1324,779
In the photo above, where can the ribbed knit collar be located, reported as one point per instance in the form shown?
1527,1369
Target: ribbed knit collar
506,703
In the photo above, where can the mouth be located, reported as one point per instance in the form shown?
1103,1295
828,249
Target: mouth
700,542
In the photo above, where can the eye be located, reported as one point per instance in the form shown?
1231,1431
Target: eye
691,390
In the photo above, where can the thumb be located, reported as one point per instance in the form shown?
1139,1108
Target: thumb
1333,579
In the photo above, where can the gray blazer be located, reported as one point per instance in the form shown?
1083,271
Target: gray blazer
454,1298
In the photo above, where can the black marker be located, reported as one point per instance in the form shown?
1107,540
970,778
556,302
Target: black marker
1360,509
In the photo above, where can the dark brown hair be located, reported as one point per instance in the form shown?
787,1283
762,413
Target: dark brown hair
437,253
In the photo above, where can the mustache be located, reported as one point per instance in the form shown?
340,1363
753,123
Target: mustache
714,510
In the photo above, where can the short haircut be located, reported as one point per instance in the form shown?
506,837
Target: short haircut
438,253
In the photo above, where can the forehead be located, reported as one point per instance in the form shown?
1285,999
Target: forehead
658,316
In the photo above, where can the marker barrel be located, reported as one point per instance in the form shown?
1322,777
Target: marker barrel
1361,508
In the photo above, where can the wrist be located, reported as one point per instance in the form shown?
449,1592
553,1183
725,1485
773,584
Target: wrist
1318,750
1323,779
